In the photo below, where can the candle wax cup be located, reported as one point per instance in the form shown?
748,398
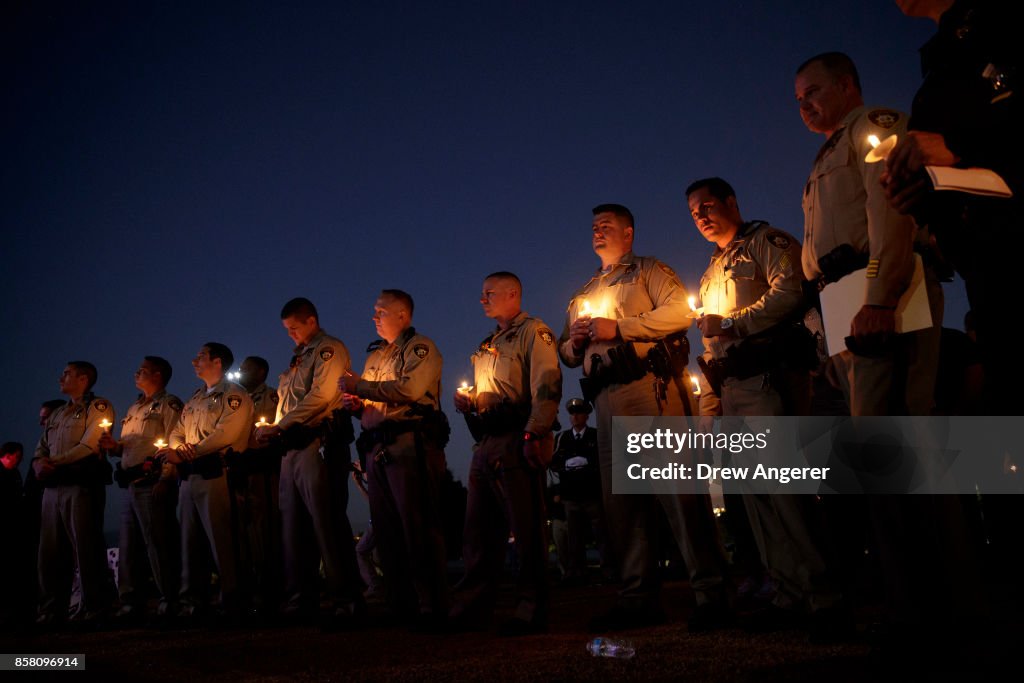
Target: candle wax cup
881,151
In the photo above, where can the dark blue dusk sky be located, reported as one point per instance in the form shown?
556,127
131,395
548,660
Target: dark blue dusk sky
174,173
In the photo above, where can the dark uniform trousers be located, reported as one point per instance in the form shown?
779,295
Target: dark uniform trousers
784,525
205,510
505,494
314,498
404,505
149,528
630,518
71,531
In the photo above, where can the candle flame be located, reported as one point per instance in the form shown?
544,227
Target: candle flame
585,308
696,386
873,140
693,303
160,443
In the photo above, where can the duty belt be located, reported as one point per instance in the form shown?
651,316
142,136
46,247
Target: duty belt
143,474
89,471
208,467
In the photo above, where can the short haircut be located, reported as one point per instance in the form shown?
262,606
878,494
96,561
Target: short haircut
12,447
222,352
716,186
506,275
398,295
259,362
84,367
300,307
617,209
837,64
53,404
161,365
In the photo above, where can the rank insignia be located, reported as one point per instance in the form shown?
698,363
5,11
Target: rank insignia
884,118
777,239
327,353
421,350
234,401
101,406
545,334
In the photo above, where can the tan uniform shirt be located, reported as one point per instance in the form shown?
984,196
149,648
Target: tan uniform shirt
215,420
519,365
308,390
642,294
264,406
755,280
398,376
147,420
73,430
844,204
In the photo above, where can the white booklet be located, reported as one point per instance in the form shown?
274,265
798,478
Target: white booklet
841,300
981,181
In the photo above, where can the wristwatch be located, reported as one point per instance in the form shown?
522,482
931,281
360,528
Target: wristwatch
727,323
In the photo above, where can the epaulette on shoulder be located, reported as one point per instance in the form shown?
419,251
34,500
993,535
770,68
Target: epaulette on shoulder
375,344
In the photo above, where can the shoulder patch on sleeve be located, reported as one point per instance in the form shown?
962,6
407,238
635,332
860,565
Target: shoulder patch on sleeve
421,350
100,406
884,118
175,404
546,336
234,401
777,239
327,353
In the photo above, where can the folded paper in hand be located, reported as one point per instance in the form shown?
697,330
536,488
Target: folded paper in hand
980,181
841,301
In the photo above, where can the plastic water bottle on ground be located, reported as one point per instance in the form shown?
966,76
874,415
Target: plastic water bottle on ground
605,647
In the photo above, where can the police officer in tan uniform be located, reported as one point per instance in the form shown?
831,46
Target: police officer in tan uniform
758,356
216,420
630,303
71,467
314,481
403,434
510,411
148,522
848,225
258,485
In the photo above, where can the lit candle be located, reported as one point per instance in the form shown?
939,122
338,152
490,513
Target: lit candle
262,423
696,385
585,310
160,443
694,311
105,425
880,149
465,388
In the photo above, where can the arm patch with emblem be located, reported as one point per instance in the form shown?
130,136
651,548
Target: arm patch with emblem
777,239
234,401
884,118
545,334
101,406
327,353
421,350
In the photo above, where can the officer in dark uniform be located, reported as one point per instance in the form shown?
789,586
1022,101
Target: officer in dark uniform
967,113
579,470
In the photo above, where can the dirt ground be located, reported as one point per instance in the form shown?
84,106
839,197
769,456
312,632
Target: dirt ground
382,652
